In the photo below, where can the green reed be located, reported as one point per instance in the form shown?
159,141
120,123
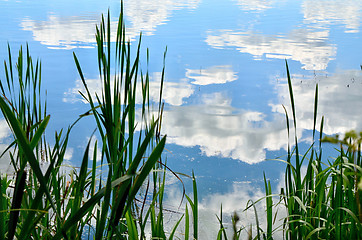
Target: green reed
324,202
53,204
115,119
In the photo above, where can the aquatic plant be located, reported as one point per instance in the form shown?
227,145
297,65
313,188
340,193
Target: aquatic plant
323,203
48,203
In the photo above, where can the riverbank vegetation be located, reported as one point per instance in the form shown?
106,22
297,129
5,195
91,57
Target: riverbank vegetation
118,190
321,199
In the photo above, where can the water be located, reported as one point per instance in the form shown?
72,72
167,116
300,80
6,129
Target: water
225,78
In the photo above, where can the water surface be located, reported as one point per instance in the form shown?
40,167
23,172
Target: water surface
225,78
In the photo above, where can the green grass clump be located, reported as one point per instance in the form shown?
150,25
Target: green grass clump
47,203
323,203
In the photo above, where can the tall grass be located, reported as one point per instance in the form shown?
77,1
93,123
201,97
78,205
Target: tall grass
323,203
49,204
115,119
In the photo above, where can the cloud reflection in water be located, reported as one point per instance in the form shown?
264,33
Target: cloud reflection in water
254,5
213,125
63,32
339,100
5,133
67,32
146,15
232,201
183,89
212,75
309,48
323,13
221,130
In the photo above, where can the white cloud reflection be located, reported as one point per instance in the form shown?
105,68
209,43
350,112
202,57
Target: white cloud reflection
213,125
309,45
212,75
232,201
5,133
254,5
4,129
63,32
67,32
174,93
221,130
339,100
146,15
310,48
218,129
323,13
70,32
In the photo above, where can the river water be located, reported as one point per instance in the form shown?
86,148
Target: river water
225,79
